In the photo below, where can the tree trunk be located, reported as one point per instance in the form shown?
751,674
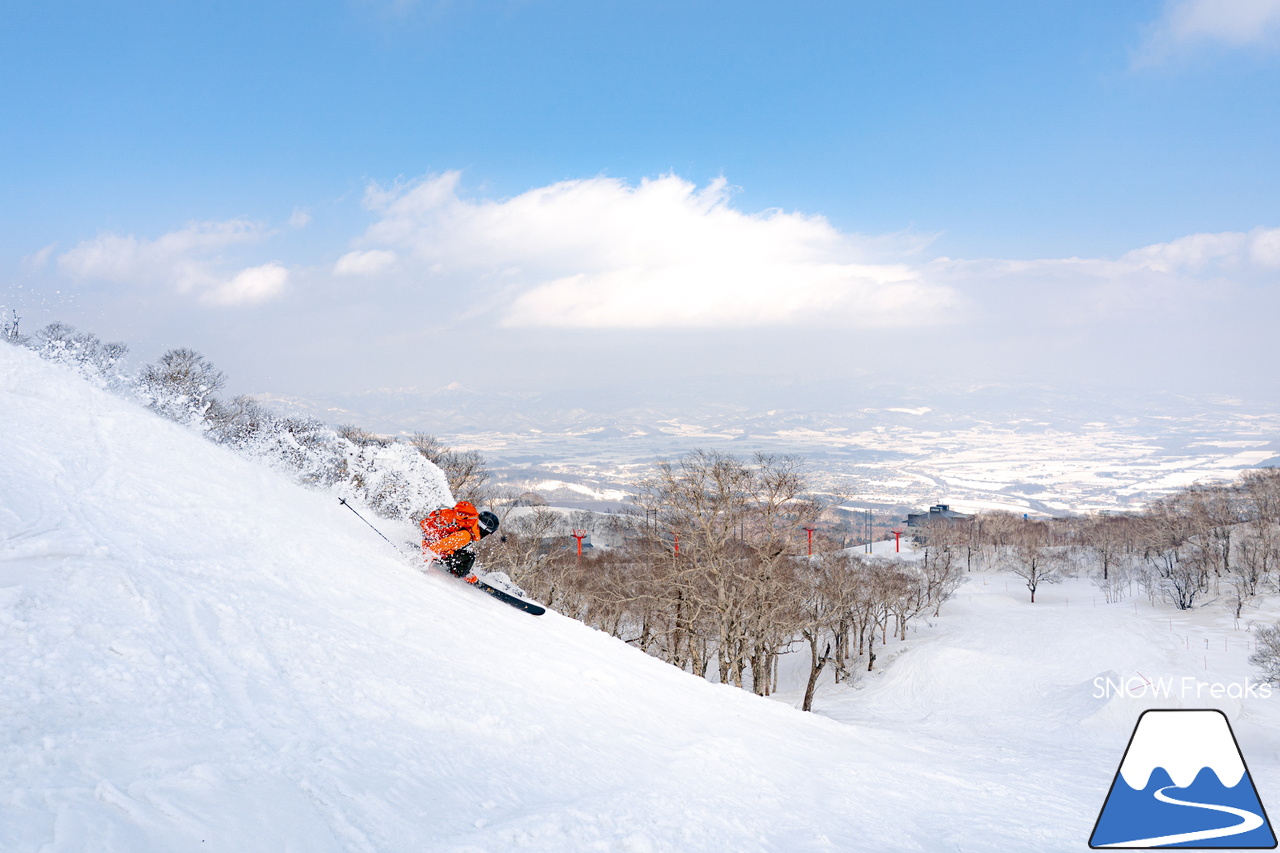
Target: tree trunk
816,663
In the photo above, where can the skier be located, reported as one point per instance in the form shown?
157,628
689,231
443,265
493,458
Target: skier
447,535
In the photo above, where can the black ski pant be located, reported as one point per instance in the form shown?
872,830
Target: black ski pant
459,563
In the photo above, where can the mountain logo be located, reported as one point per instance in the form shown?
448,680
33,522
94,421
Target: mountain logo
1183,783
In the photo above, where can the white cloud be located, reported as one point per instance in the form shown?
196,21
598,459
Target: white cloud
38,260
364,263
1185,24
1180,276
602,253
737,295
249,286
1198,252
189,260
1264,247
599,253
179,256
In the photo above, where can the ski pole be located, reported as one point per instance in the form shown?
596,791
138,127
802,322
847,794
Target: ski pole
343,501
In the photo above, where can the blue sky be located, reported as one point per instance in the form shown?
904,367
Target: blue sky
326,196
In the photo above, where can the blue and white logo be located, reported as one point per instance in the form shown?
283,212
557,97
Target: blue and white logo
1183,783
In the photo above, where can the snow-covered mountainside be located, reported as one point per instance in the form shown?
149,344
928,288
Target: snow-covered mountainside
196,654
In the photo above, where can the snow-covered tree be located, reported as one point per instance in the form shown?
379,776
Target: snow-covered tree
181,386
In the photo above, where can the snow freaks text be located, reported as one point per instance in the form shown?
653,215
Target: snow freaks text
1187,687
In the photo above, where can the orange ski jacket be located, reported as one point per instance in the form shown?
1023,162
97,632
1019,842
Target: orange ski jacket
446,531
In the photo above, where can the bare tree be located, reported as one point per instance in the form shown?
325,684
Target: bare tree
1030,556
729,526
820,594
1108,539
1211,514
467,472
1261,490
524,551
1106,544
941,570
1179,567
1267,654
1255,557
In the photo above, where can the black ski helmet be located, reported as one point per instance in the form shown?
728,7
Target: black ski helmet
488,523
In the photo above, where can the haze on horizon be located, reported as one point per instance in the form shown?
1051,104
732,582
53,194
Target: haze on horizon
666,200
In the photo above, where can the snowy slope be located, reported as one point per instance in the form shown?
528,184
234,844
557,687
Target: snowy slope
1031,706
196,654
195,651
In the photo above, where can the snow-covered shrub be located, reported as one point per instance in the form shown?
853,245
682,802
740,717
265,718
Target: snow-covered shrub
390,477
240,422
84,352
395,480
361,437
181,386
311,449
306,448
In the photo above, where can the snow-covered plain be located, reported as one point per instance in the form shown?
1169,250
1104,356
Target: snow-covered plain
1031,450
196,654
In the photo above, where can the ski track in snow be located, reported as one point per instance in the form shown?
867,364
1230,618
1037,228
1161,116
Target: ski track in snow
196,654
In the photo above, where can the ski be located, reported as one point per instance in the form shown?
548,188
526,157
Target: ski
506,597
